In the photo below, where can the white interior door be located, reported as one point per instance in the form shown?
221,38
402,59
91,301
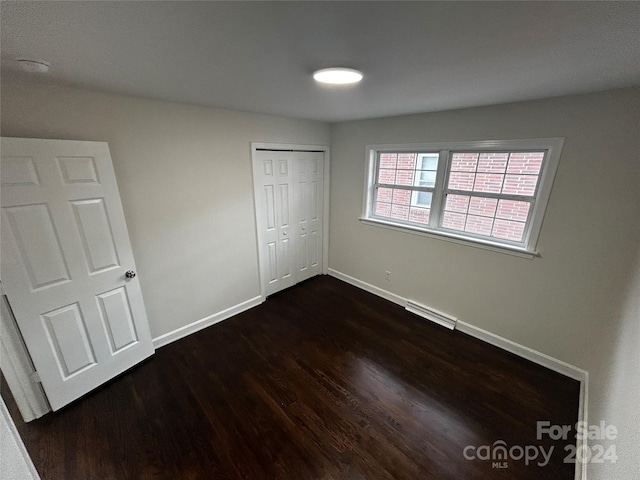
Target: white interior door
289,188
67,265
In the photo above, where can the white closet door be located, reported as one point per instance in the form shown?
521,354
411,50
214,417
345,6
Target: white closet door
274,198
309,216
67,265
289,213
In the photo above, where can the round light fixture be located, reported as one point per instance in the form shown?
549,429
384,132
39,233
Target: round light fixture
33,66
338,76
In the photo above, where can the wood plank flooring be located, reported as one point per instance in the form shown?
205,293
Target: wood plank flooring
322,381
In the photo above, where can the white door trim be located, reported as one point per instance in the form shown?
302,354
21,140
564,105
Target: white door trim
326,150
17,368
15,455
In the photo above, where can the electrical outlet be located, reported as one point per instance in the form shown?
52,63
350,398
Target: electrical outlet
387,276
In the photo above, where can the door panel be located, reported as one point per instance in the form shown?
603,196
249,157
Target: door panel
67,335
33,232
117,318
65,250
283,201
78,169
314,249
19,171
273,262
270,206
97,238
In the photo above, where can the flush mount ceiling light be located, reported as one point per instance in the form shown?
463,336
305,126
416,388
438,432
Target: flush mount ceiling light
33,66
337,76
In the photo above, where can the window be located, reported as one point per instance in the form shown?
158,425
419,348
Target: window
491,193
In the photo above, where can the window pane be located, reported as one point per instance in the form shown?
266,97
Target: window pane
525,162
508,230
485,207
401,197
488,182
401,204
407,169
421,199
479,225
457,203
513,210
405,177
383,209
464,162
454,221
493,162
419,215
387,176
426,178
428,162
520,184
407,161
401,212
388,160
384,194
461,181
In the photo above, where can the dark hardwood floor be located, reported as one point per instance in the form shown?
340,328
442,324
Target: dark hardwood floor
322,381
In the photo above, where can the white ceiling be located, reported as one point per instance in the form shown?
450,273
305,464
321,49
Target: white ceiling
259,56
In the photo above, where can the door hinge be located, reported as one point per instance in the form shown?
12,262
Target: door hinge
35,377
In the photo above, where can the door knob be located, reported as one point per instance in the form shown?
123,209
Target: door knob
130,274
284,233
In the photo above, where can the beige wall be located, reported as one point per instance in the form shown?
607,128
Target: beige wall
184,174
615,375
567,303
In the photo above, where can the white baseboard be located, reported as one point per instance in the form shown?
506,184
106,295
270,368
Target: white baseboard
198,325
583,416
540,358
476,332
392,297
522,351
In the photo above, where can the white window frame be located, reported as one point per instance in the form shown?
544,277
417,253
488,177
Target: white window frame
526,248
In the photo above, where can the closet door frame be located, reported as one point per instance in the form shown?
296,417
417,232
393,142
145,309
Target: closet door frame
292,147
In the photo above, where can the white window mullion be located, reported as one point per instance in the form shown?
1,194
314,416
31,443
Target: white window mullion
370,186
497,196
437,201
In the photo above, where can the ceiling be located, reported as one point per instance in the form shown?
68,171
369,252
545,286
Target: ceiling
259,56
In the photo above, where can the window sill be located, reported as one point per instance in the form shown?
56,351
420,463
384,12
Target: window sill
450,237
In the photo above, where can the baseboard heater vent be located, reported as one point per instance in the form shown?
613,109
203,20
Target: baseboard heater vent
431,314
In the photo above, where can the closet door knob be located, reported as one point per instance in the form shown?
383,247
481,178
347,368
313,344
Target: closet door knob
130,274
